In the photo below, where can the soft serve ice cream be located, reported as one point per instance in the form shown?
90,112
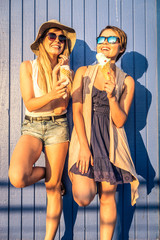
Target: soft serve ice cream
104,64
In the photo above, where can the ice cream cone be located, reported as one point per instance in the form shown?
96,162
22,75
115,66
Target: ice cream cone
65,73
105,70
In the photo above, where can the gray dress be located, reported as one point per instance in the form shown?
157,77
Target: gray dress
103,169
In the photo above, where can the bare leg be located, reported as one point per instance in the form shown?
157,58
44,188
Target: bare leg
55,159
108,211
26,153
84,189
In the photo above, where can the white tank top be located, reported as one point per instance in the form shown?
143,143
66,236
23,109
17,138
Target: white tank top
45,110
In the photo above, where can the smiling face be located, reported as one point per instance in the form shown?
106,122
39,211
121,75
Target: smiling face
54,47
109,50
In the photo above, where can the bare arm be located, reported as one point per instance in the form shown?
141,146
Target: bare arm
31,102
119,110
84,154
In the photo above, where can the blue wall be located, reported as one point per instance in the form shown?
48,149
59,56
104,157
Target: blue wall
22,212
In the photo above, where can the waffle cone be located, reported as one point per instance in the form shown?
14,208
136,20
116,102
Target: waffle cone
105,70
66,74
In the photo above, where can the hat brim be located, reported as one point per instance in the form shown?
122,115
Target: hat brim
68,32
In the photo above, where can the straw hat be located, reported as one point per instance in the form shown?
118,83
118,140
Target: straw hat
68,32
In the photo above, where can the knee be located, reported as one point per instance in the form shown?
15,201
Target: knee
54,199
53,187
83,199
107,199
17,178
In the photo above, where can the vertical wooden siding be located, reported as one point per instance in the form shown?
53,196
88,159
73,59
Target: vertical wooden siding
22,212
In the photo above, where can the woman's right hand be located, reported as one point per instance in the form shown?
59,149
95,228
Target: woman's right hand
59,89
84,159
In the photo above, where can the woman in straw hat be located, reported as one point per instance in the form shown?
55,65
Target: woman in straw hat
45,125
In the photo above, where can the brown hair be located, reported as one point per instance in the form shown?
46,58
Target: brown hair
122,36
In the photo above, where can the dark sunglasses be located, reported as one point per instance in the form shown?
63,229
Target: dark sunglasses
111,39
53,36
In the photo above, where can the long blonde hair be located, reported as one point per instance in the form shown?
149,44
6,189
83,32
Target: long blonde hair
45,66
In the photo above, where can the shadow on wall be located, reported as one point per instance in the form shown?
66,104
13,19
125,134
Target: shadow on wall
135,65
82,55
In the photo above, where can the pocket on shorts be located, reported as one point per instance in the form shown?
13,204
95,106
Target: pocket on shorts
25,126
62,122
25,123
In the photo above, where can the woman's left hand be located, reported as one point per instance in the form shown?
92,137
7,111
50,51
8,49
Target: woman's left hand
84,159
109,85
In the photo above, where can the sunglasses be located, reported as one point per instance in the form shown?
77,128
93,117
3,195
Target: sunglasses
111,39
53,36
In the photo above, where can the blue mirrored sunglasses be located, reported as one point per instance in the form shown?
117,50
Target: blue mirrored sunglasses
111,39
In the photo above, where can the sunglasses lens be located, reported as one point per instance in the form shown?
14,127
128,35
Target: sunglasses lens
52,36
112,39
62,38
100,40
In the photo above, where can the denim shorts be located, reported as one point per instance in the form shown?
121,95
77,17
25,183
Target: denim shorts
49,132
